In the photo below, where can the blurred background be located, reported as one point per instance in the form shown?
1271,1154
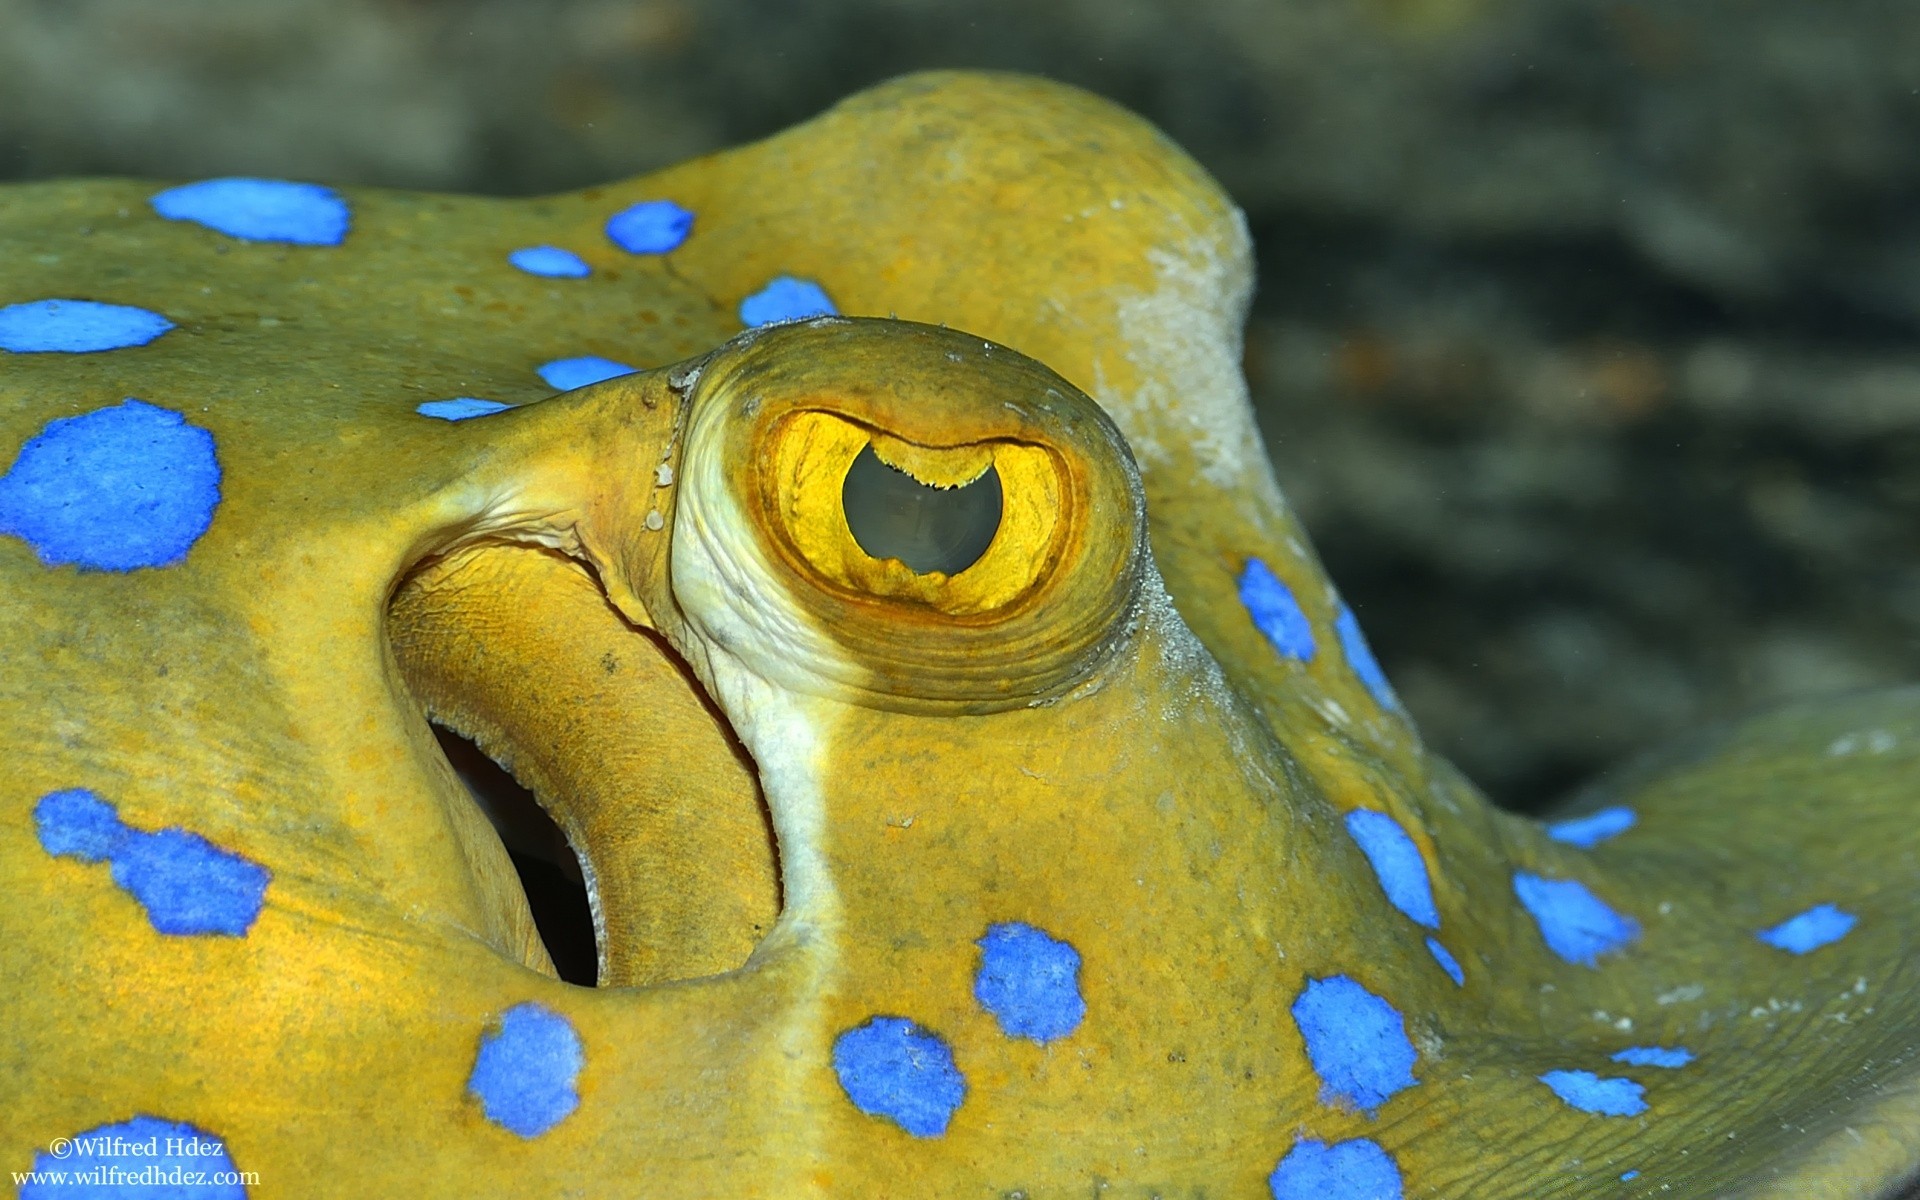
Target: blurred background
1585,340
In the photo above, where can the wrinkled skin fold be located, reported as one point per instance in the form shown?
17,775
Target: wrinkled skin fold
806,785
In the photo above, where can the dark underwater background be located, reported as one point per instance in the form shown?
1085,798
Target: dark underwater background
1587,339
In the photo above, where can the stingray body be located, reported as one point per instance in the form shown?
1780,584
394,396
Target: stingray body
1059,837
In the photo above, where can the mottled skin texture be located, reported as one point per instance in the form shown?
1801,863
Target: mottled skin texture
1132,768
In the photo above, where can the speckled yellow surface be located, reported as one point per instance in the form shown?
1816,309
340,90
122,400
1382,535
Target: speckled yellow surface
1037,880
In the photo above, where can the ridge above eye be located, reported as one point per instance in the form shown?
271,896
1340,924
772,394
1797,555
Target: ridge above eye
891,514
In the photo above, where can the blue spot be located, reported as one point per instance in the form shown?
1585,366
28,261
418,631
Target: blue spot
260,210
1397,863
460,408
1818,926
113,1163
1589,831
1353,1170
550,261
78,824
76,327
1591,1094
1629,1176
1356,1041
1353,643
1030,982
1447,961
892,1068
187,884
569,373
1577,925
785,299
1670,1057
524,1075
115,489
650,227
1275,612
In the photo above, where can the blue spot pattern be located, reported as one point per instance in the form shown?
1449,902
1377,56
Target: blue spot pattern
113,1164
785,298
1447,961
565,374
116,489
1591,1094
187,884
1359,1169
1353,644
1577,925
1669,1057
1629,1176
550,261
1397,863
650,227
524,1075
1275,611
892,1068
260,210
461,408
76,327
1589,831
1356,1041
1030,982
1821,925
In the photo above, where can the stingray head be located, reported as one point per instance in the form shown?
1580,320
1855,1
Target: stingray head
965,801
1022,836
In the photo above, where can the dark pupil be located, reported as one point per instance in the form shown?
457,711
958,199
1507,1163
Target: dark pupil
894,515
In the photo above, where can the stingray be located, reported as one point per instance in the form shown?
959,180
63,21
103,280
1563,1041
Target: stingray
860,544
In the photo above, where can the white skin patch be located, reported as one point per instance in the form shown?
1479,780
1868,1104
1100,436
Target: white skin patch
1184,339
1872,741
765,660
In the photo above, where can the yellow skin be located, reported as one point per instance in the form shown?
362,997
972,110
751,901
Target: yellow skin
1087,732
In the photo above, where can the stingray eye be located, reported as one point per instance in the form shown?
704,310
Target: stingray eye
929,528
966,529
907,516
